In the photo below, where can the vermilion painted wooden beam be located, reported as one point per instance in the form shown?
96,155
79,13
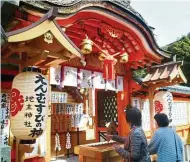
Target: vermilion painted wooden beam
134,86
139,64
8,72
12,61
6,85
8,53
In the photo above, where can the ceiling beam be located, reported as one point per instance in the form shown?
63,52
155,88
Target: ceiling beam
59,55
37,59
55,62
26,49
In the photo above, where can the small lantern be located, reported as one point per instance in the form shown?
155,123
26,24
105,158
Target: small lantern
163,103
124,58
102,56
86,46
29,105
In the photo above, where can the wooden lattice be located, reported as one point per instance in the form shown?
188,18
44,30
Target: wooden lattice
107,107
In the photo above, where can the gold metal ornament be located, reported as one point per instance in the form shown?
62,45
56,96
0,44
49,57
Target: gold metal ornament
86,46
102,56
124,58
48,37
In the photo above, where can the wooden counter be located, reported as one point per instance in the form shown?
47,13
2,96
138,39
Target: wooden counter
97,152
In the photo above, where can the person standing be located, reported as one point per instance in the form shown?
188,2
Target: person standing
135,144
165,142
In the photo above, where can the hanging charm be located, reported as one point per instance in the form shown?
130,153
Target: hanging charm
57,142
68,141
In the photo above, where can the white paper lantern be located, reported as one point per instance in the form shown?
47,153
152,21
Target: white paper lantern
163,103
29,105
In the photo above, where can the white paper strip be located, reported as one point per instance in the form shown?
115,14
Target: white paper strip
119,83
98,81
136,102
85,78
69,77
55,75
110,85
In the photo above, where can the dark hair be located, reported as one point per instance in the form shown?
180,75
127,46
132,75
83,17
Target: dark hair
133,116
162,120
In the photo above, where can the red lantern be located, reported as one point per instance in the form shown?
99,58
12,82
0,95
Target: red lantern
29,105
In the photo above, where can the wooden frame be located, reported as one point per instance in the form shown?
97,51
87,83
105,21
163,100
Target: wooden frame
35,30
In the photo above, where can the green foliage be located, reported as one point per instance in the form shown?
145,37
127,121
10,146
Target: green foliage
181,49
139,73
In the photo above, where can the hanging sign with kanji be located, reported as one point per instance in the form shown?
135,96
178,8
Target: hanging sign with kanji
85,79
4,118
69,76
119,81
55,75
98,80
110,85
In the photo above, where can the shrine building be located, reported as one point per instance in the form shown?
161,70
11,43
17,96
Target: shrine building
67,76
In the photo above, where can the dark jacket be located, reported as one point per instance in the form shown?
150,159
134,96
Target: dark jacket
135,146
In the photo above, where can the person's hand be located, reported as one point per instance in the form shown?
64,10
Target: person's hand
116,147
108,137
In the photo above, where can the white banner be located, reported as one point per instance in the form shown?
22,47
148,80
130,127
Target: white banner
136,102
4,118
85,79
110,85
98,81
69,77
55,75
119,83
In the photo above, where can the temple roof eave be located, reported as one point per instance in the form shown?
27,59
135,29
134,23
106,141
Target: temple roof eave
37,29
164,75
119,7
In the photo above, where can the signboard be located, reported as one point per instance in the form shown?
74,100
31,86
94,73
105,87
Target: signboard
4,118
98,80
110,85
119,81
69,76
85,79
55,75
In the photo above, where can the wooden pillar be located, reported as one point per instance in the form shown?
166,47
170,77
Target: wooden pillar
123,128
48,139
151,107
17,150
123,99
96,116
23,56
48,126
